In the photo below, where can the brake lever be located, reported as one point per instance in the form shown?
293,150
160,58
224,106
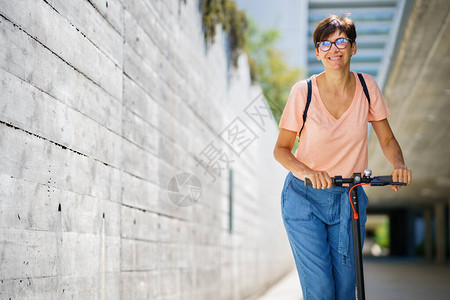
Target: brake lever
384,180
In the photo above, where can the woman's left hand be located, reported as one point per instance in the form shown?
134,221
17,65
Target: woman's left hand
401,174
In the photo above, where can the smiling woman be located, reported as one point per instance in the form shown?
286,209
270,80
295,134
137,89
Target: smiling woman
333,142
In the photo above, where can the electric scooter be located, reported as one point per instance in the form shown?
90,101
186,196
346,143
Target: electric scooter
353,182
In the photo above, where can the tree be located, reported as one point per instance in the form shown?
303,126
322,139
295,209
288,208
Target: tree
269,69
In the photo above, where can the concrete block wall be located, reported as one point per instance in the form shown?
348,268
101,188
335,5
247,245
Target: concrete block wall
102,103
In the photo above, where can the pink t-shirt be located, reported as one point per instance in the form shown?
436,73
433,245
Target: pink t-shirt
337,146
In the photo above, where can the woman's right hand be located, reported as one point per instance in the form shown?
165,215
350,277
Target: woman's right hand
319,179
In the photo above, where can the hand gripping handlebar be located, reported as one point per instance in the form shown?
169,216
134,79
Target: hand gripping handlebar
365,179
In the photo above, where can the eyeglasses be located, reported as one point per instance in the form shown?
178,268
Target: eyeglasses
340,43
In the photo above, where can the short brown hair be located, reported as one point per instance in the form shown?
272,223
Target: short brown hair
333,23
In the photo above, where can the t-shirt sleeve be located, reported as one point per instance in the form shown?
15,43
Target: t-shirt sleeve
292,117
378,108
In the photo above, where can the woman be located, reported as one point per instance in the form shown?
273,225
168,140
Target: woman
333,142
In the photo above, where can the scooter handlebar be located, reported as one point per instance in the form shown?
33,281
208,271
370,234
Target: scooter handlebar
373,181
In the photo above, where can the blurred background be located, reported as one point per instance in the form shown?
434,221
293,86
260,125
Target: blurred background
136,143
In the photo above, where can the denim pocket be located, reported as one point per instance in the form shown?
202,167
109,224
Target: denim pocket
295,205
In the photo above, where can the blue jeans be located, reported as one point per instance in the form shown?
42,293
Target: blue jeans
318,225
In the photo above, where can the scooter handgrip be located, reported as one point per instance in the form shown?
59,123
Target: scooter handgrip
384,180
308,182
387,178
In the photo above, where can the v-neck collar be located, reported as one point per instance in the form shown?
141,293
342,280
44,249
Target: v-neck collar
349,109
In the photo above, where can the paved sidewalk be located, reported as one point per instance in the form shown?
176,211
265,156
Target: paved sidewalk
385,278
400,279
287,288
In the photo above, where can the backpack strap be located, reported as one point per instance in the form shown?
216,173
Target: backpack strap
308,101
364,86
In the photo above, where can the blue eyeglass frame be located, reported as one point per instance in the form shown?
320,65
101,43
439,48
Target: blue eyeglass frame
331,44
